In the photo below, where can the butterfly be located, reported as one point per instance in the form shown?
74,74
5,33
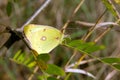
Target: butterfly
43,38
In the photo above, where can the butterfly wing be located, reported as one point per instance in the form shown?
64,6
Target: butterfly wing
42,38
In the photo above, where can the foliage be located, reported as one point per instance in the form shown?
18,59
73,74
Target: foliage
90,48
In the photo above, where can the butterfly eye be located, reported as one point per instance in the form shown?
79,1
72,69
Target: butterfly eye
43,38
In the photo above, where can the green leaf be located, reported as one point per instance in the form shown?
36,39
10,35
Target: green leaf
17,54
42,64
117,66
28,60
111,60
44,57
114,62
77,34
23,59
79,44
94,48
87,47
9,8
31,64
55,70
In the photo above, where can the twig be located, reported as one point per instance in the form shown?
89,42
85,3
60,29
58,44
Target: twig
102,34
85,38
99,25
20,30
110,75
81,63
36,13
32,75
114,8
74,12
102,25
65,26
108,29
66,66
93,27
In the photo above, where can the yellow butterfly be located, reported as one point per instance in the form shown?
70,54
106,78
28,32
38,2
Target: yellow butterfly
43,38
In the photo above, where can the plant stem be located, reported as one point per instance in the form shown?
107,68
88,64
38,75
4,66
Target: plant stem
36,13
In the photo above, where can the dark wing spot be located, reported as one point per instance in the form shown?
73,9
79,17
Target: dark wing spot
57,38
30,30
44,30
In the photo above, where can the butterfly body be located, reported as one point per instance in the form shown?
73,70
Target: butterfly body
42,38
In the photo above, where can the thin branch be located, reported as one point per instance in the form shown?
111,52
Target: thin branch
114,8
80,71
75,51
73,14
108,29
81,63
103,25
32,75
102,34
68,21
66,24
110,75
93,27
36,13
